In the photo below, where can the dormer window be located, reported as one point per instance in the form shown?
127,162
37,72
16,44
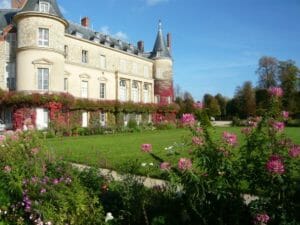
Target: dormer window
44,7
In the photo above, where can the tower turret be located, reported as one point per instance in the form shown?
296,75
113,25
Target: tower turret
163,69
40,49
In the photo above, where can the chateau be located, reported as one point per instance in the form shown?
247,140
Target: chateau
42,52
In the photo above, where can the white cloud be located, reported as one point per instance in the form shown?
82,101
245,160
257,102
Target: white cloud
155,2
119,35
62,9
5,4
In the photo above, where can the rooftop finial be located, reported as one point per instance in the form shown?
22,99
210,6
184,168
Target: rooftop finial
159,25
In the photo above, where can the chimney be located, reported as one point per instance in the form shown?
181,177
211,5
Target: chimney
17,4
140,45
85,22
169,41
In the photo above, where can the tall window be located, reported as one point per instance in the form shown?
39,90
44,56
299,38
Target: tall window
85,119
43,37
84,89
102,90
11,44
103,61
84,57
42,118
10,75
43,79
146,93
122,91
66,51
135,92
44,7
102,119
66,84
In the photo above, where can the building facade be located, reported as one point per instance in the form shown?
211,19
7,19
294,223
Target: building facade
41,51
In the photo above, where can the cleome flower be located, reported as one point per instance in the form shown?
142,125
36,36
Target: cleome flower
188,119
184,164
275,91
230,138
262,218
275,165
165,166
294,152
278,126
146,147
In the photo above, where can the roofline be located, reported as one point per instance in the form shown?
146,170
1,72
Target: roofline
108,47
37,14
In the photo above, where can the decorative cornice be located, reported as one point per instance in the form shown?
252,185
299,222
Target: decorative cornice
37,14
41,49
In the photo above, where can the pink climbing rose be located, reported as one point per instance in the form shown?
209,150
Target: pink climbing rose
184,164
275,165
146,147
262,218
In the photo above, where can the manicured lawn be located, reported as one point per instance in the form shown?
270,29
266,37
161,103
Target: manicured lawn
112,151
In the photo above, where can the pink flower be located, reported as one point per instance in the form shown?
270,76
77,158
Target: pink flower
246,130
278,126
184,164
198,105
294,151
165,166
146,147
199,130
43,190
34,151
275,165
285,115
262,218
197,141
7,169
275,91
188,119
230,138
55,181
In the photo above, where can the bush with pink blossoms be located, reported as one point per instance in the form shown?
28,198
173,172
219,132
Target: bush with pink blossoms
188,119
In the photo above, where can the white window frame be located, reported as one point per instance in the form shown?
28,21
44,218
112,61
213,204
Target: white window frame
85,119
122,90
44,7
84,89
102,119
44,113
102,90
135,95
43,37
84,56
146,93
43,77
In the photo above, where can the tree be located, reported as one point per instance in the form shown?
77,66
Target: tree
288,74
222,103
267,72
212,105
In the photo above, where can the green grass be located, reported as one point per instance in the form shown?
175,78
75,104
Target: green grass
112,151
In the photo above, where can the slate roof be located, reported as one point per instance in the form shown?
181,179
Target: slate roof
6,16
33,5
160,49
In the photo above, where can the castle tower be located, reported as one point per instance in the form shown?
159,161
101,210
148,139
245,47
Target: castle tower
40,46
163,68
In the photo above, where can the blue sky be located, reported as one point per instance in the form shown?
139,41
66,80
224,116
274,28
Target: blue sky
216,43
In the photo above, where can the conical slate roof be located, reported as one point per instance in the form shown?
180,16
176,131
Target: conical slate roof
160,49
33,5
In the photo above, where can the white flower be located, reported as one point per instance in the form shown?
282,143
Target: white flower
108,217
151,164
144,164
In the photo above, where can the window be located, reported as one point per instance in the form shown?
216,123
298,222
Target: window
11,44
85,119
10,75
102,61
134,68
146,93
123,91
66,84
123,65
135,92
102,90
43,37
84,89
102,119
146,71
44,7
42,118
43,79
66,51
169,99
84,57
